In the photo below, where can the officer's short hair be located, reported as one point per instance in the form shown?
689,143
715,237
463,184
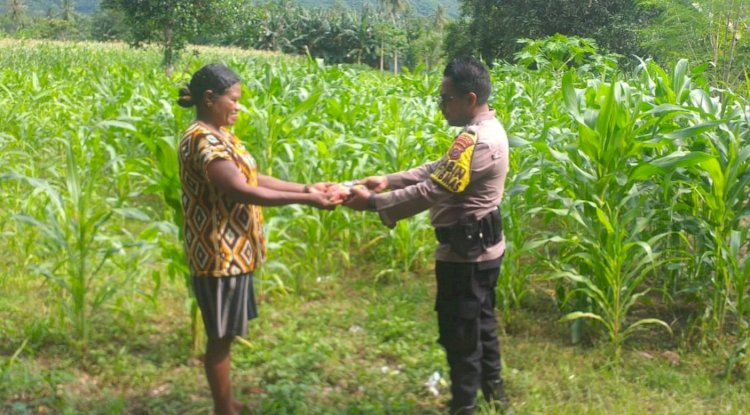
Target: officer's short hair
470,75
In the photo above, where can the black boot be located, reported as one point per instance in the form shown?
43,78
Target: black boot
494,393
462,410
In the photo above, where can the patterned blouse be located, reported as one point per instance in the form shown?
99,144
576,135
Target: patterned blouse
222,237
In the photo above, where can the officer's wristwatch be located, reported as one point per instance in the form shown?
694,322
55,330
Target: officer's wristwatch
371,203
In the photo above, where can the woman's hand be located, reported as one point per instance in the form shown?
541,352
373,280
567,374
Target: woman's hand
321,187
323,201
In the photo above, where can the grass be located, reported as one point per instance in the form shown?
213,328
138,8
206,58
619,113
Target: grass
345,347
351,331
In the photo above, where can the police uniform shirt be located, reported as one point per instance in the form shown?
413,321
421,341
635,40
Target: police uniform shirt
468,180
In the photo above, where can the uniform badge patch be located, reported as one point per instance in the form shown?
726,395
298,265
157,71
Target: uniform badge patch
463,141
454,170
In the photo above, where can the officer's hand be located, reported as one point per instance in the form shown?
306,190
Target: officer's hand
323,201
375,183
358,198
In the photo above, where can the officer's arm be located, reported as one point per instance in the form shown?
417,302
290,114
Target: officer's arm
410,177
403,203
409,201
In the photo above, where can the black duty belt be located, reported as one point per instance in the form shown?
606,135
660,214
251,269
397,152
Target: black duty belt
470,236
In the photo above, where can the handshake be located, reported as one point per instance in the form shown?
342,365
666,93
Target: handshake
352,194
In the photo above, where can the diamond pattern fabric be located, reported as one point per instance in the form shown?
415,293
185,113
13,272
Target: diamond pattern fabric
222,237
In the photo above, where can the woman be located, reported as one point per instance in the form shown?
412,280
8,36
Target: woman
222,192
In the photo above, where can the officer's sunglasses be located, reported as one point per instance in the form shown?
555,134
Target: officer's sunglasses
444,99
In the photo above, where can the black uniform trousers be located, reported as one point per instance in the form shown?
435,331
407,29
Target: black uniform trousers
465,306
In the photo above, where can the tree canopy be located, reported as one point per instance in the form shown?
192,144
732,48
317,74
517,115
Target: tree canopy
171,23
491,28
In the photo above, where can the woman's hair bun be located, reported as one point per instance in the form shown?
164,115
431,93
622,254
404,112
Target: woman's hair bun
186,98
216,77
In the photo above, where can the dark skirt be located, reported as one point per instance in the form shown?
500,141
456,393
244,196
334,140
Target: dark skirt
226,303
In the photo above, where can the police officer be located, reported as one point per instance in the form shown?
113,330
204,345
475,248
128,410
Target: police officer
462,191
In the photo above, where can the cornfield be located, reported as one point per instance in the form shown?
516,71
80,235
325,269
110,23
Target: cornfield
626,190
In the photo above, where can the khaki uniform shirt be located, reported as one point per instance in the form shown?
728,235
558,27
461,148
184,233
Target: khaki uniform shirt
468,180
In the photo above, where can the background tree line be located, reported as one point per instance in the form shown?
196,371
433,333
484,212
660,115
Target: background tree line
391,34
704,31
387,34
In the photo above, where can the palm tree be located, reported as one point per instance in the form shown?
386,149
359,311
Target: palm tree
439,18
392,8
67,9
15,10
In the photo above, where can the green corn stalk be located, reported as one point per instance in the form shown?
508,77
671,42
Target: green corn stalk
709,189
5,367
608,256
716,203
633,183
522,95
75,240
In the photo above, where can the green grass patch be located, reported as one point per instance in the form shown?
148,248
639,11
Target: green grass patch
351,347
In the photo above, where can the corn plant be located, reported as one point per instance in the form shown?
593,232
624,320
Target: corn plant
521,96
623,186
154,131
341,135
714,204
720,204
6,366
75,244
609,254
74,218
518,214
706,200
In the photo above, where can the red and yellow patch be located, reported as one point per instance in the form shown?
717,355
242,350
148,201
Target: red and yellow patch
454,170
462,142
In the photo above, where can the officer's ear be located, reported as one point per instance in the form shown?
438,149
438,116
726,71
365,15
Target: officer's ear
472,98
